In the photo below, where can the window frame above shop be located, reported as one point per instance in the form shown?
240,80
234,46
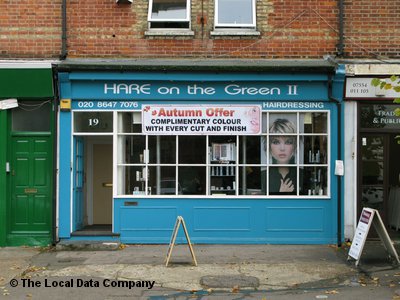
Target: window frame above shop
233,25
168,23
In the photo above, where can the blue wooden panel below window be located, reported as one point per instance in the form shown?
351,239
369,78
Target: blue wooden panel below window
297,219
216,219
223,221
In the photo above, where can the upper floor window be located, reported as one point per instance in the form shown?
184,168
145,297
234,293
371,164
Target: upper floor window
235,14
169,14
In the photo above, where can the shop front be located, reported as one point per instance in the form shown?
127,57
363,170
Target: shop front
26,153
377,149
243,157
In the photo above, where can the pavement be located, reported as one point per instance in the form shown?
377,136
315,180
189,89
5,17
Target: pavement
223,272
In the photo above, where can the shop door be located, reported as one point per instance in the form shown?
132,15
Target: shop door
31,188
78,202
102,184
379,175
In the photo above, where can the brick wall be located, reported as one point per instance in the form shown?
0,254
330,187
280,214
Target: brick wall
30,28
372,28
288,29
299,30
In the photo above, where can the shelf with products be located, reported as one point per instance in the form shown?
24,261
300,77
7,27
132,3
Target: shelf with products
223,179
315,149
315,181
222,170
223,152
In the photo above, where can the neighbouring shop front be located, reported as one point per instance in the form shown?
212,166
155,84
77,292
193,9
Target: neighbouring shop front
243,157
378,148
26,153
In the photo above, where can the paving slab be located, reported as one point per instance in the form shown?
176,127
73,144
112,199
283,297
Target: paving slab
14,261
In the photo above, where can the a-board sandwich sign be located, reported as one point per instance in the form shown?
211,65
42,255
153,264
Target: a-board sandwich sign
368,217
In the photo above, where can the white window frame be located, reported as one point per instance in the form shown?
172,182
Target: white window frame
186,19
218,25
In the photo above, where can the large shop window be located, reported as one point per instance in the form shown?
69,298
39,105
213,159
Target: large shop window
290,158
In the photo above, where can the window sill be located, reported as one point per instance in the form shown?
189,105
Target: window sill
235,32
169,32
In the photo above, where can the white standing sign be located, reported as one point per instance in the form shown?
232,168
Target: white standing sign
370,216
201,119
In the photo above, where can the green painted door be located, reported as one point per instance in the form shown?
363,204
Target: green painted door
31,189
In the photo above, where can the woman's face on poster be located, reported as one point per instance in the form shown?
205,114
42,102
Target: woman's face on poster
282,149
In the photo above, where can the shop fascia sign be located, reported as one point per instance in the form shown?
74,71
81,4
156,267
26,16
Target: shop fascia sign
197,89
8,103
361,87
201,119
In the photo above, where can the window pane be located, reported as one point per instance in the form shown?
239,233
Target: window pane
131,149
132,179
192,180
282,123
372,197
223,179
192,149
372,172
282,149
282,181
313,181
162,181
31,116
235,12
223,148
130,122
315,149
251,149
162,149
251,181
315,122
169,10
94,121
372,147
379,116
172,25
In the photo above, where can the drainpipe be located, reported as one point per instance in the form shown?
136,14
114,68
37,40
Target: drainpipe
55,156
63,30
338,103
340,45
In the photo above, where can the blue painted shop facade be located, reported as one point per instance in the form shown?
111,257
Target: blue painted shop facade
139,148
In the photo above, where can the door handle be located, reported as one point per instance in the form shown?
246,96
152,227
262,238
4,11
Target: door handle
107,184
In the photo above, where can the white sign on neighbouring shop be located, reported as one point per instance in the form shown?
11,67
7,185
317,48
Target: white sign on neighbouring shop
201,119
8,104
361,87
370,216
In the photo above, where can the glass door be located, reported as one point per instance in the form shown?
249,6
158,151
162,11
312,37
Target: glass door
379,163
379,178
372,187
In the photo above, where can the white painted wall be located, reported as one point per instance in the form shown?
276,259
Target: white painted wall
350,168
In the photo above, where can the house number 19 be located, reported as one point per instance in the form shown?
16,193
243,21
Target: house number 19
93,122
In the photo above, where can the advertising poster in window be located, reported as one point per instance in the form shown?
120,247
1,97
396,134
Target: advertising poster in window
199,119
